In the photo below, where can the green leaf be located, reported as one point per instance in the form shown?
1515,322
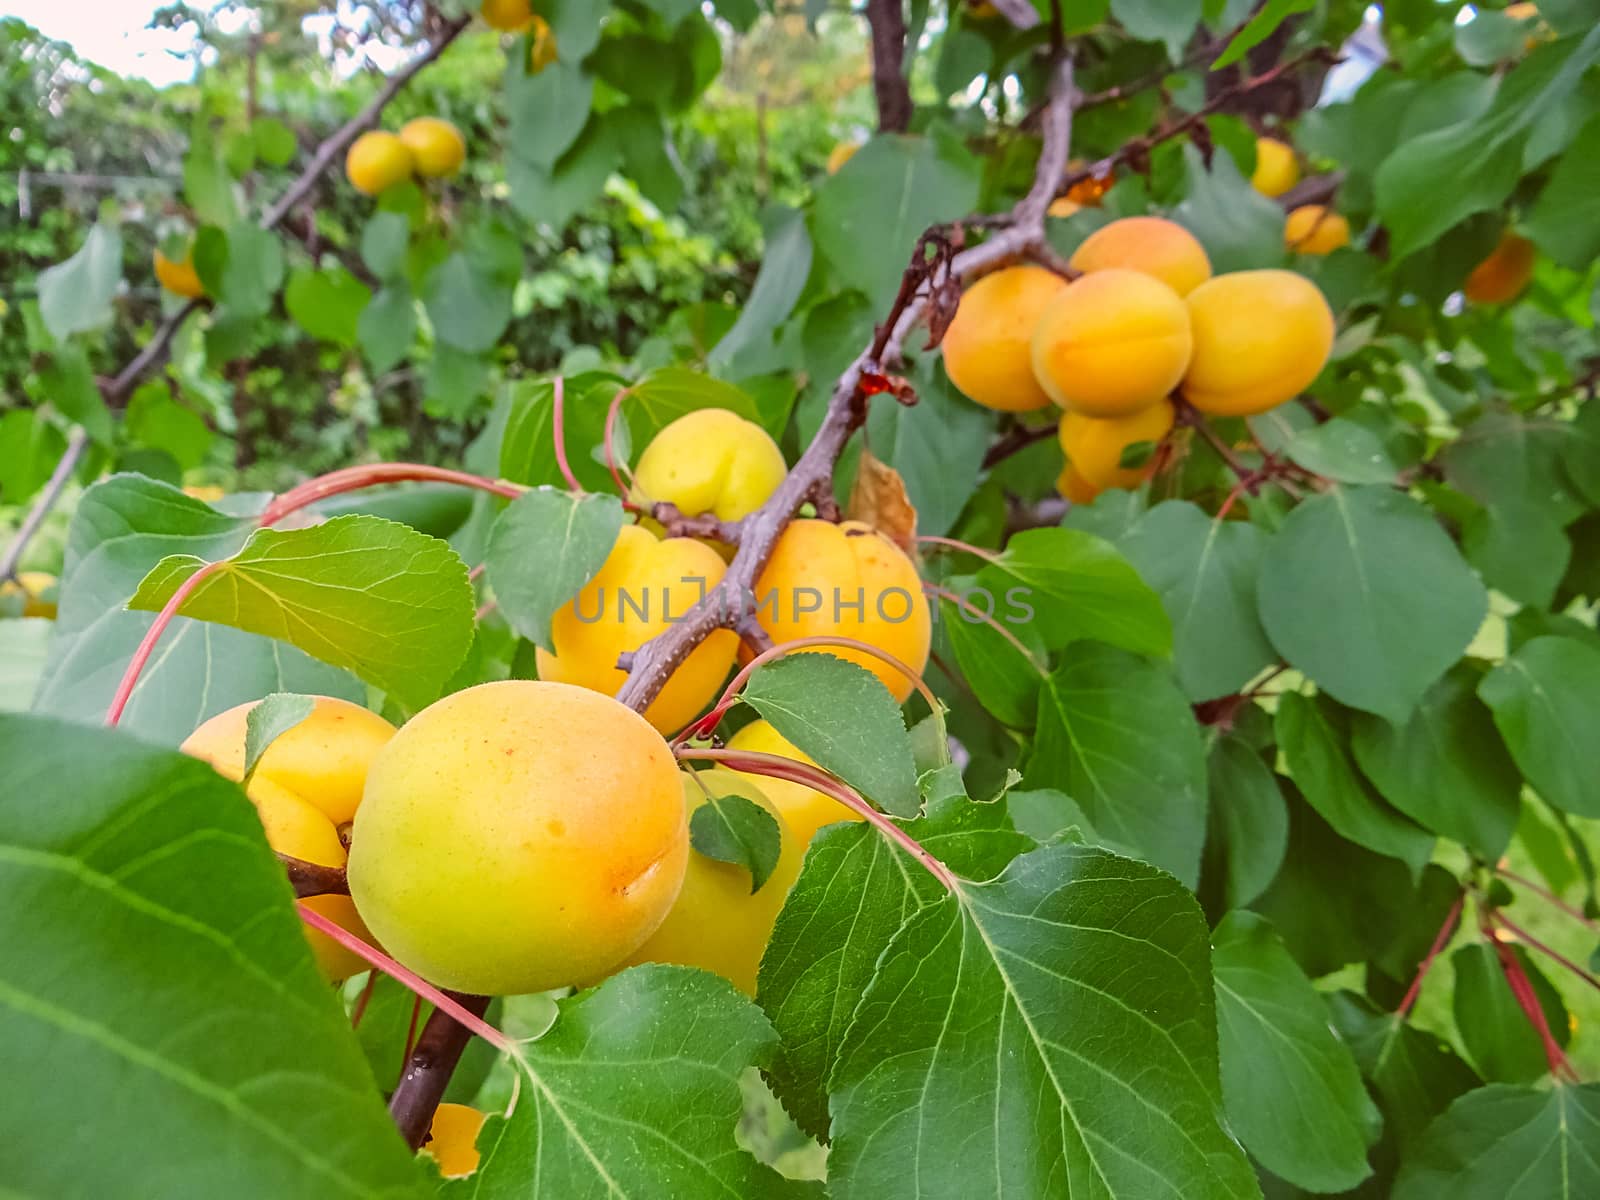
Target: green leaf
633,1092
273,140
1488,38
547,110
854,892
30,447
785,267
242,268
327,304
157,421
735,829
1069,1001
1248,826
576,24
386,326
1273,13
270,720
869,216
23,645
1543,698
376,598
1004,678
75,295
1343,450
1509,1143
1565,222
122,528
1445,766
1496,1033
1482,156
543,548
468,306
1169,22
1240,228
1116,734
553,195
207,185
647,155
67,382
1314,737
159,934
1293,1093
1521,552
1516,463
937,446
1205,571
527,451
384,241
1407,605
668,393
844,718
1077,586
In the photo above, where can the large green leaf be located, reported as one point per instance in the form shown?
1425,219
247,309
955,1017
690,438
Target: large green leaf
1004,676
1515,462
1116,734
543,549
1015,1034
1069,585
75,295
327,304
1496,1034
1240,228
868,217
469,306
1315,738
243,268
1510,1143
374,597
854,892
1362,591
1293,1093
528,448
23,643
1445,767
547,110
1205,572
668,393
843,717
633,1092
122,528
1247,823
1167,21
160,966
785,266
1543,698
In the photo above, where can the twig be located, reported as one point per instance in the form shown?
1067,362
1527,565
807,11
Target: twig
1522,935
77,443
1017,438
1440,940
655,661
1317,189
887,21
1549,896
314,879
678,523
428,1069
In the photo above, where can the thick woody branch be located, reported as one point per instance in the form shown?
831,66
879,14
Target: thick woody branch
887,20
726,606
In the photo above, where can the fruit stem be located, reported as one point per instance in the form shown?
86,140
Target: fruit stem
1522,935
1440,940
709,722
352,479
1522,988
558,432
314,879
443,1001
1549,896
775,766
147,646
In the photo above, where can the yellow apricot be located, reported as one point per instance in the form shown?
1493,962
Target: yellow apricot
848,580
806,810
1276,168
453,1139
508,16
1501,277
841,154
644,586
1071,485
1259,338
178,276
323,760
1315,229
986,346
1094,446
710,461
542,49
437,147
519,836
36,591
718,923
376,161
1154,245
1112,343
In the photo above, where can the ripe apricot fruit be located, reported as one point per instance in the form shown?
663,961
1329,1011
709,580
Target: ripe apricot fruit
1276,167
453,1139
30,594
718,923
644,585
519,836
323,760
376,161
1315,229
1112,343
307,784
1094,446
437,147
806,810
1071,485
1501,277
841,154
1153,245
847,580
178,276
508,16
986,346
710,461
1259,338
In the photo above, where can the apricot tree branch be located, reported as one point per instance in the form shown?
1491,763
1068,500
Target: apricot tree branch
428,1069
653,663
887,21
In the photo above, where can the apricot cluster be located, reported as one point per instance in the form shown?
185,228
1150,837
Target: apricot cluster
427,146
1144,320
